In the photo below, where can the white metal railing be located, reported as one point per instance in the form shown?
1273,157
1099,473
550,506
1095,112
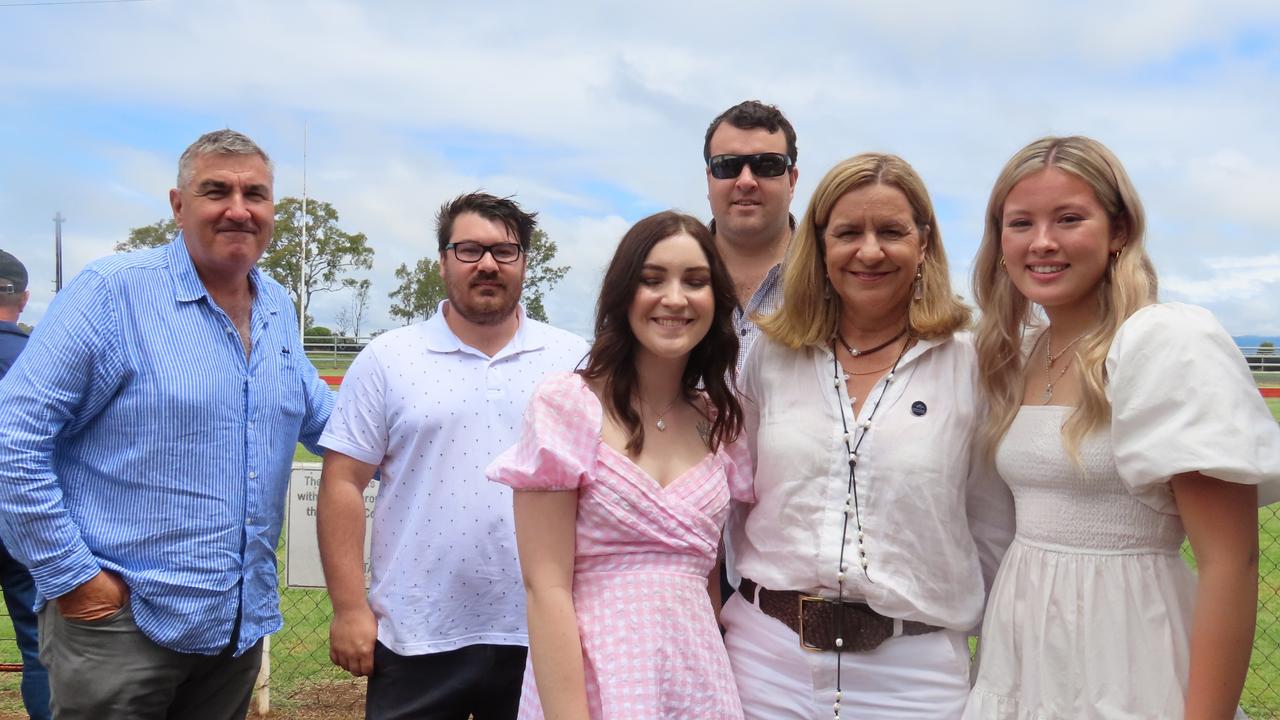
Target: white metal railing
1262,359
334,347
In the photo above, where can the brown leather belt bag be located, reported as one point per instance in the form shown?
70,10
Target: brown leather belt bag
827,624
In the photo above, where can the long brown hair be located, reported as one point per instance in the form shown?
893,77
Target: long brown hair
712,364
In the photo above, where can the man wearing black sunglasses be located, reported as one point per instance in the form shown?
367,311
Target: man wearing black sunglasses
442,632
750,153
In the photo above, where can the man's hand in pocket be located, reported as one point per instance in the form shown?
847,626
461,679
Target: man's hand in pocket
98,599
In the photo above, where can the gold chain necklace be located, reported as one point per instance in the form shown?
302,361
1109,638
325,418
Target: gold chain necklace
849,373
1050,359
661,422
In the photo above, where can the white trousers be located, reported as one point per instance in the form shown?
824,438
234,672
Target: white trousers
920,677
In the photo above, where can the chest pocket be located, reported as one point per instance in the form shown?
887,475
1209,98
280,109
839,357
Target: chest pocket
291,399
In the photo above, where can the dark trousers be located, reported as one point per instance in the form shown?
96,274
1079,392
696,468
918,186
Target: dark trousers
480,681
19,597
108,670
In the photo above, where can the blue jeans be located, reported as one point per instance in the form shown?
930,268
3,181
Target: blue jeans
19,596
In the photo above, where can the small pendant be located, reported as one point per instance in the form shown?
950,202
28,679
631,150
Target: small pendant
661,424
1048,392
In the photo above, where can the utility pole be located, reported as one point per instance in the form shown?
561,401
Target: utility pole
302,262
57,250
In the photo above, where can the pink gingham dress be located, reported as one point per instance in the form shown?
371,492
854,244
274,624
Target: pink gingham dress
650,645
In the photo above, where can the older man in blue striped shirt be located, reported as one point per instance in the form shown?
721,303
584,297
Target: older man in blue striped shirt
145,447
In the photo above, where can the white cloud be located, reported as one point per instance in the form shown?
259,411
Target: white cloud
1241,279
595,113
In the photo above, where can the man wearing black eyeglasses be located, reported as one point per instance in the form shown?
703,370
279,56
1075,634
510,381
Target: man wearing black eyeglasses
442,633
750,153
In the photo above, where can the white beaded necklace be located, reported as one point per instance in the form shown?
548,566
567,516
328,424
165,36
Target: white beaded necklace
851,505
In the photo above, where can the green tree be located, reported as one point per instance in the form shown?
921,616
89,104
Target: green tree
148,236
1267,348
350,318
540,275
331,251
421,288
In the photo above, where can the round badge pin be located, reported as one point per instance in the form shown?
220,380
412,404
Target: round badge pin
918,408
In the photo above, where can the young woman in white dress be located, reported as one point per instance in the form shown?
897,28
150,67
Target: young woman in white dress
1122,426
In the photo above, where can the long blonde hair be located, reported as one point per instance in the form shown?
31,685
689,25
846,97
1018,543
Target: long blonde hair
810,313
1128,285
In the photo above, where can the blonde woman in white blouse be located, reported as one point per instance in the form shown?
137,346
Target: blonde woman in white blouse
860,569
1123,426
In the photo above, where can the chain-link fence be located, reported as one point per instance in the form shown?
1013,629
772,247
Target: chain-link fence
301,680
304,684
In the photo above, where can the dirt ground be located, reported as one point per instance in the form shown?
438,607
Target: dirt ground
318,702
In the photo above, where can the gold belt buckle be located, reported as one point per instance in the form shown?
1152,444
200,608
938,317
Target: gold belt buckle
805,599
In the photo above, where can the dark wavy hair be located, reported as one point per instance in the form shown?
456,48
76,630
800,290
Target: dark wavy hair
712,366
749,115
521,224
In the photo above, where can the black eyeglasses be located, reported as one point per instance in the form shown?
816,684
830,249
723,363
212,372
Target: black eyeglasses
728,167
471,252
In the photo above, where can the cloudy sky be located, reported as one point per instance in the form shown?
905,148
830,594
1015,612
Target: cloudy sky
593,113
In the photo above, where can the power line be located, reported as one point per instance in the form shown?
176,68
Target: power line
66,2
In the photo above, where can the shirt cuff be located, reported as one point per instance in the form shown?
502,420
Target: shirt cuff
55,579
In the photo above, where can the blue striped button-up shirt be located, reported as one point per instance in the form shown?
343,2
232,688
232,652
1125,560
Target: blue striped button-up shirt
138,438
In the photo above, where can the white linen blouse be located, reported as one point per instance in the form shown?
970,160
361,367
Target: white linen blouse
935,516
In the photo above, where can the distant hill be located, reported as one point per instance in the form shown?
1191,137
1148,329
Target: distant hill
1253,341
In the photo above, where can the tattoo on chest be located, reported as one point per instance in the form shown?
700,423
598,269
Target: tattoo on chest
704,432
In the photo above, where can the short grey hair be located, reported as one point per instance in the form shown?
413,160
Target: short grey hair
218,142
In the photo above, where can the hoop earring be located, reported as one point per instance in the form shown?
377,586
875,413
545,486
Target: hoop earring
1116,255
1002,262
918,294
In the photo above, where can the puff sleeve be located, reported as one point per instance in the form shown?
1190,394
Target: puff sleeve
557,447
1183,400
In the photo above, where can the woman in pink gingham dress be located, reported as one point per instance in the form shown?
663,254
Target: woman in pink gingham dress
618,538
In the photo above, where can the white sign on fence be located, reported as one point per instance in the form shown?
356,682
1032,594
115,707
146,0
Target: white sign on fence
302,551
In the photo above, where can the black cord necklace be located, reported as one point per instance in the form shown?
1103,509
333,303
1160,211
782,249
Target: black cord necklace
854,352
852,445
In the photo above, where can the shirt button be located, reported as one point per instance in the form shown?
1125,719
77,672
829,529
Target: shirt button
252,474
744,332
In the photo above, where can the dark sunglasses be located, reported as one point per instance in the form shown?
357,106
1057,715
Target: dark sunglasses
728,167
471,252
